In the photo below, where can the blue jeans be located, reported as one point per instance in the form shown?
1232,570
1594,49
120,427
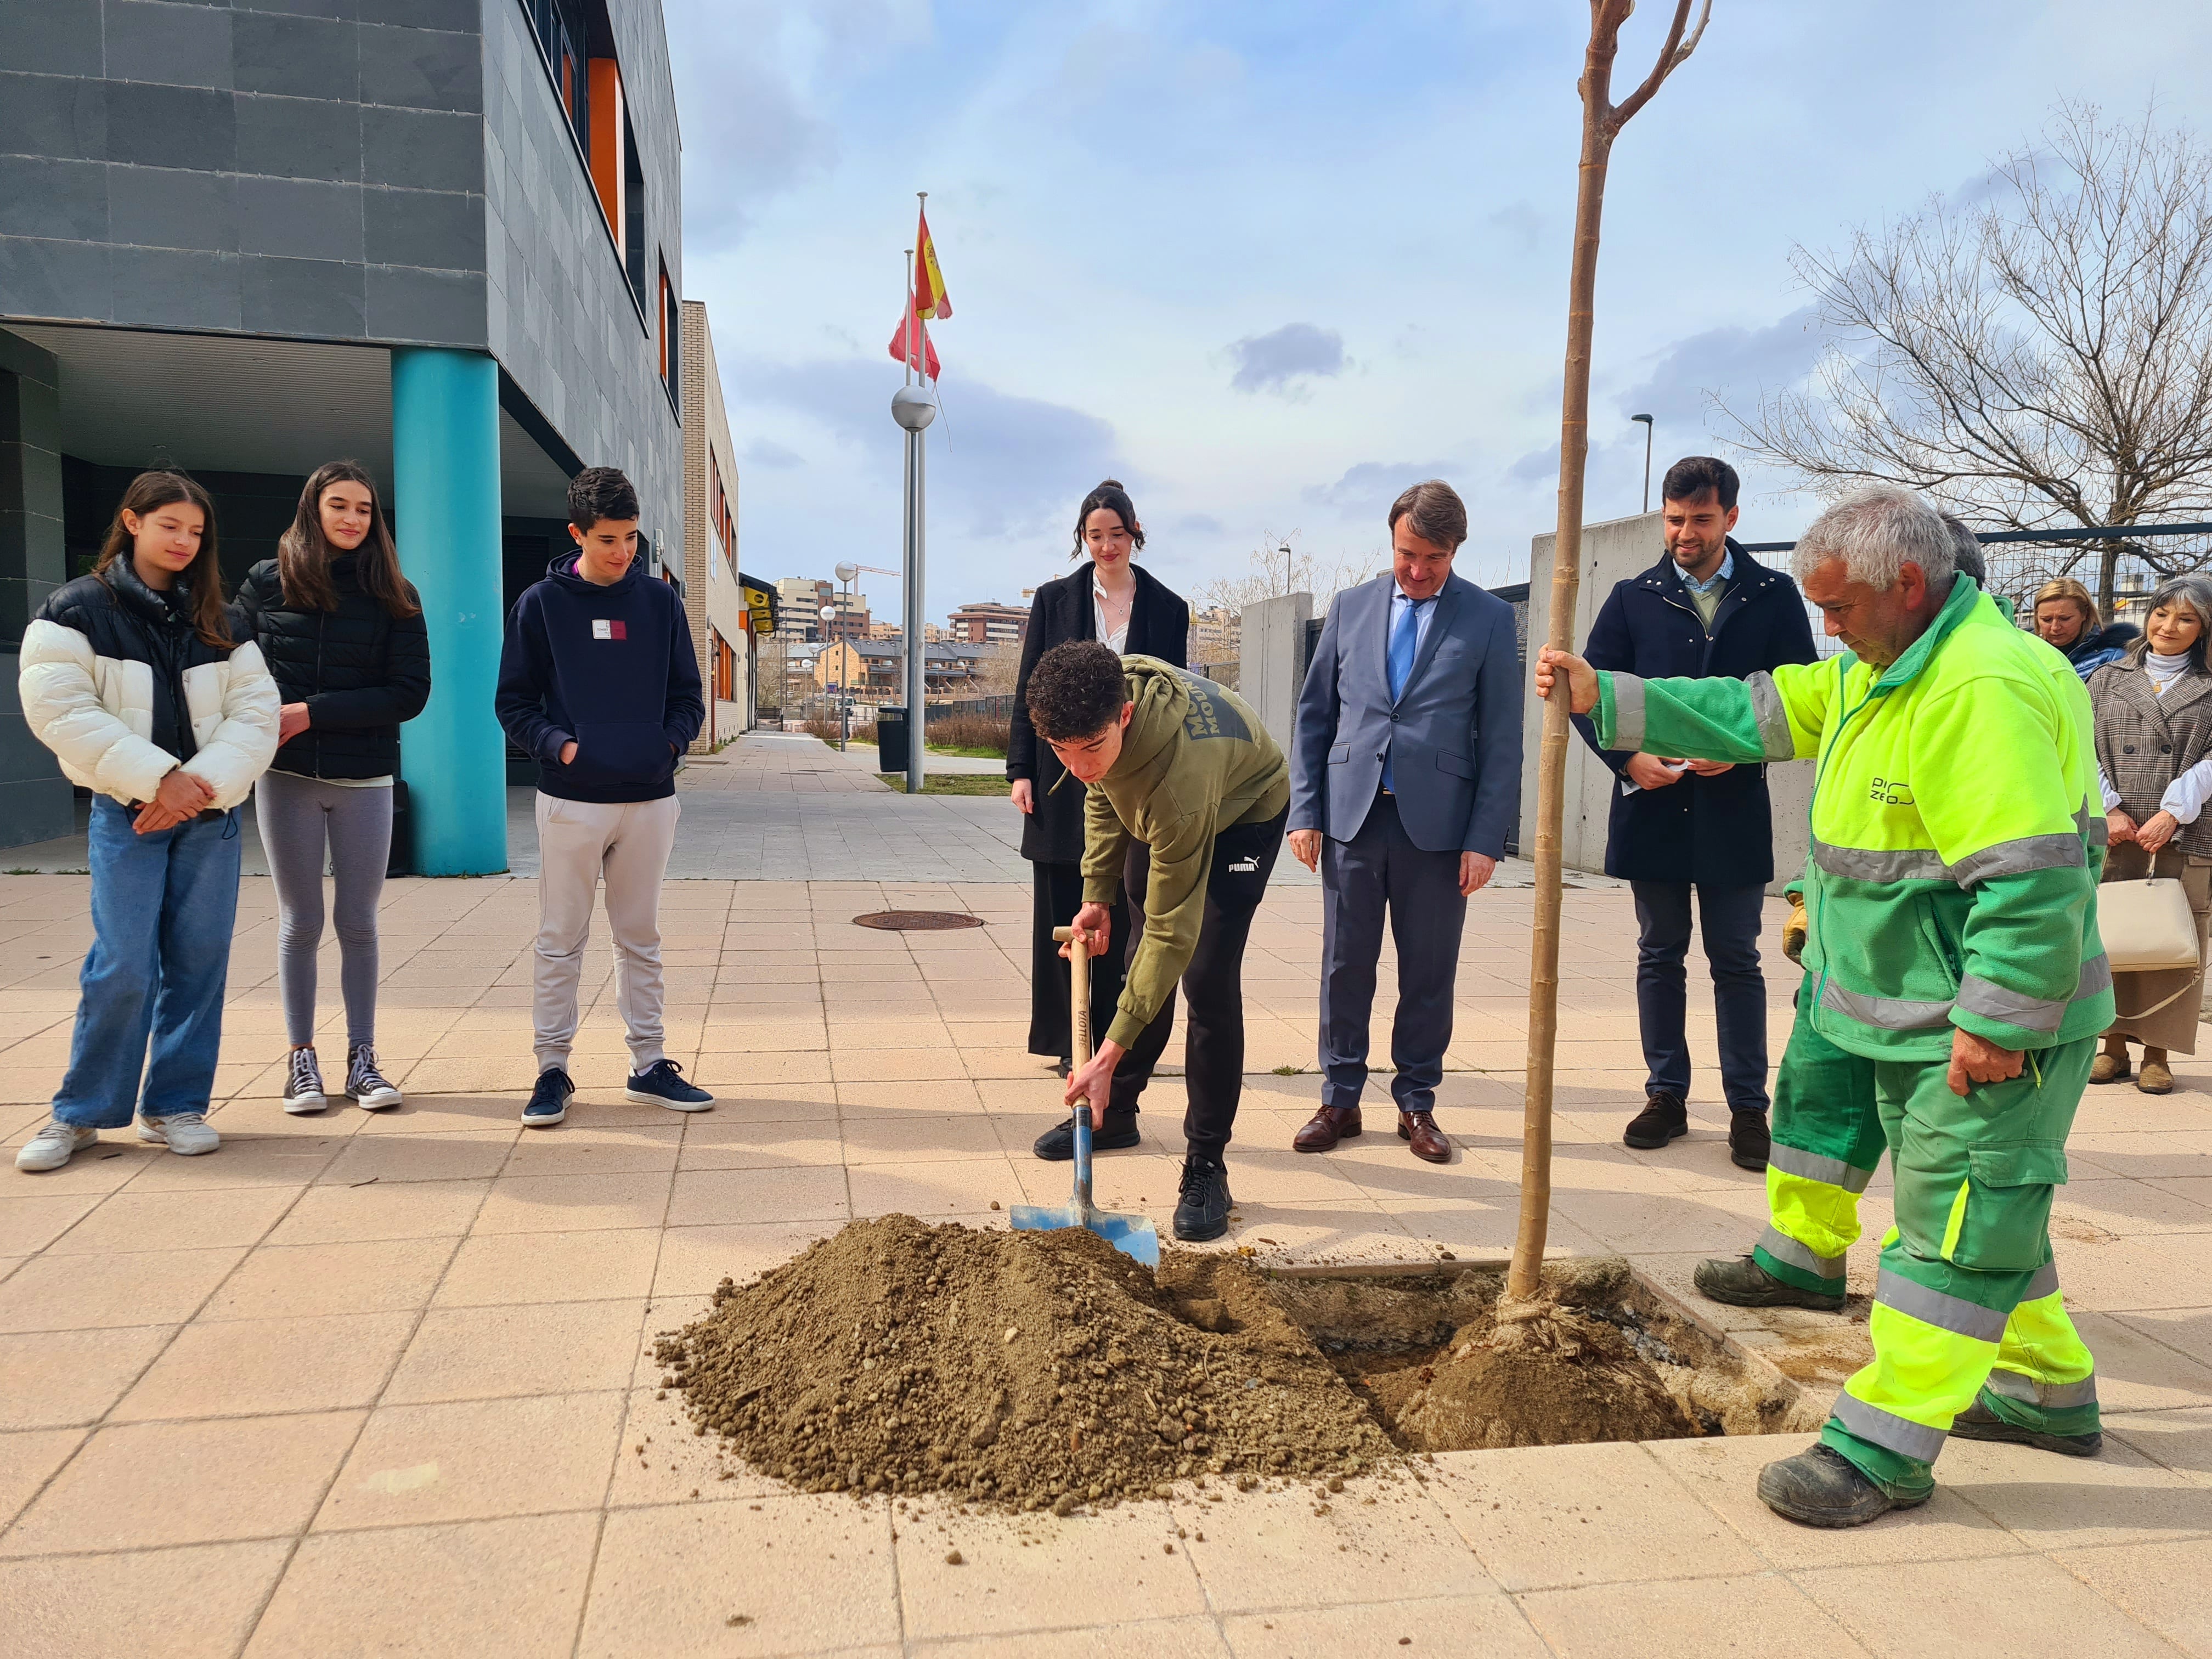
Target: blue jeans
162,909
1729,918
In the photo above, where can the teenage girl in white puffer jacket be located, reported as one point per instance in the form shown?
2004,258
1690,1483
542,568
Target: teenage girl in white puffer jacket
136,678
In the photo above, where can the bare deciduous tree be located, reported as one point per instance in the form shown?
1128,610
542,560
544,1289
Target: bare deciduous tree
1272,575
2038,356
1602,120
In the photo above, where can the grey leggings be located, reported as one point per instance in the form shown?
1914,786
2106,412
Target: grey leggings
295,814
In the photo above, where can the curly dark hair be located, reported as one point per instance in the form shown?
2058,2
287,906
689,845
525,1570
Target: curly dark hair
600,492
1077,691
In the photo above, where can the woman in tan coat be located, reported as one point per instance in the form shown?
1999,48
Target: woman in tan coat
2153,710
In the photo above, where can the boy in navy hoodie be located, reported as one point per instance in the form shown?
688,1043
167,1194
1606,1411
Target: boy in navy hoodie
597,680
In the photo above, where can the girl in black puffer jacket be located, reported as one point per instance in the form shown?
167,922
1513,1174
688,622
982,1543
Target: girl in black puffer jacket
343,635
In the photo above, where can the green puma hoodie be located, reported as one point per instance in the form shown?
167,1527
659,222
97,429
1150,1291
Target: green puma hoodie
1194,761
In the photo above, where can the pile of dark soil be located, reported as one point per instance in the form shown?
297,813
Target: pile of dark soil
1027,1370
1428,1355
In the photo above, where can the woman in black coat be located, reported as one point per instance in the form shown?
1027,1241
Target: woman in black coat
1108,599
343,634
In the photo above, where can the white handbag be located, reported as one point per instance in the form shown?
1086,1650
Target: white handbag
2146,926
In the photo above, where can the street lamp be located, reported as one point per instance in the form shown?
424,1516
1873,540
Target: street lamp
1284,549
1645,421
844,697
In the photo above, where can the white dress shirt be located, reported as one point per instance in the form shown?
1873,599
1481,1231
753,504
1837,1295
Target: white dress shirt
1118,638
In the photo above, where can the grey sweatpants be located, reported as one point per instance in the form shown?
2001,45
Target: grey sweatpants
298,816
579,843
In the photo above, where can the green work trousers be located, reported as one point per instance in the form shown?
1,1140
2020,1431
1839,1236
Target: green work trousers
1967,1304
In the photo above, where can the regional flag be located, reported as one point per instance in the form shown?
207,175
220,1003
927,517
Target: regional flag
930,298
912,338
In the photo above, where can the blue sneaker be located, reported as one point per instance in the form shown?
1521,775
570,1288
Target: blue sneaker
548,1101
662,1084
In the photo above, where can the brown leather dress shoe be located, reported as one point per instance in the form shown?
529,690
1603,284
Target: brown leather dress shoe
1326,1128
1428,1140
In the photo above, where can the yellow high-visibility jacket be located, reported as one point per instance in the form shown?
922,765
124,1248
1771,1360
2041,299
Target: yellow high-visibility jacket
1958,831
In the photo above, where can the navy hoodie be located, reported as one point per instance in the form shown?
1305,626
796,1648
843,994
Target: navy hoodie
609,668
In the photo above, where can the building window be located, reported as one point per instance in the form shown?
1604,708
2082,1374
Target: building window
671,329
718,513
577,42
561,27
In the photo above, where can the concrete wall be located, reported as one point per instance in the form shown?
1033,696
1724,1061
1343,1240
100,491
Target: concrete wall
1611,552
233,169
1272,661
561,316
36,801
405,180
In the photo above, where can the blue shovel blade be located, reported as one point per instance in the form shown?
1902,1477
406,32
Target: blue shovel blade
1133,1234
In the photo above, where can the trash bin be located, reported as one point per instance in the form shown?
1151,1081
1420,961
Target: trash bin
891,738
401,861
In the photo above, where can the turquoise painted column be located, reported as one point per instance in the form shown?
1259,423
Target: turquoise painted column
445,464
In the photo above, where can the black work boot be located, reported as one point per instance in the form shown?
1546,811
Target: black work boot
1202,1211
1978,1422
1665,1117
1821,1487
1748,1141
1057,1144
1742,1283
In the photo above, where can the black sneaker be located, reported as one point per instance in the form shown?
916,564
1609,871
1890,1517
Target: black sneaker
548,1101
1202,1210
662,1084
1978,1422
303,1084
369,1088
1665,1117
1748,1141
1057,1144
1822,1487
1742,1283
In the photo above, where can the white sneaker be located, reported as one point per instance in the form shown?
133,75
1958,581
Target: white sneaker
53,1144
303,1084
186,1134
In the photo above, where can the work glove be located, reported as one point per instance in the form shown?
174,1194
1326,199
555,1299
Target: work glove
1793,930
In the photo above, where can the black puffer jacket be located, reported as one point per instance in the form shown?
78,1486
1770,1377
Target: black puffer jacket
360,671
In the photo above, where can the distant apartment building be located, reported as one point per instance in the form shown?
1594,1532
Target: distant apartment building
800,601
1216,635
729,610
987,623
443,238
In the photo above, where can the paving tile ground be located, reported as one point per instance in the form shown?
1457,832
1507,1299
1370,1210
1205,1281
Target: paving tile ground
367,1384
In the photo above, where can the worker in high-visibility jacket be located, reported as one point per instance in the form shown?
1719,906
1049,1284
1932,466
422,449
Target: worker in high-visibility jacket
1954,987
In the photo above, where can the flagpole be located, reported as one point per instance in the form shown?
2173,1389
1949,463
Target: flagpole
913,408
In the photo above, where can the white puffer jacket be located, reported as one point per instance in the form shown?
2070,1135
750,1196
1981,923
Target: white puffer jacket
94,708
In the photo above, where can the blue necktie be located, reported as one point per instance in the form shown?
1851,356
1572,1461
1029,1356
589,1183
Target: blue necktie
1403,636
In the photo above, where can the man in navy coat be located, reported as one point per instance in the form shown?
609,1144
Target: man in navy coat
1707,609
1404,768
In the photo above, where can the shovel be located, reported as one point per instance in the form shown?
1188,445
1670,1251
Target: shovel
1134,1236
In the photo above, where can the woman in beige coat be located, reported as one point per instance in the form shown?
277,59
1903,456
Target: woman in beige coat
2153,710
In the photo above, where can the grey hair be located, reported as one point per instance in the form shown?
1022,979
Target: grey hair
2196,594
1966,548
1876,532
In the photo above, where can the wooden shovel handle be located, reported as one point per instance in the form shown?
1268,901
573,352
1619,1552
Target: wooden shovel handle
1078,993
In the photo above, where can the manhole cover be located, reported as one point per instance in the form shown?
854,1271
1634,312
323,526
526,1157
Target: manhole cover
917,921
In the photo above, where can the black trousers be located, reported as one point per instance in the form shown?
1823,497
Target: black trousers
1377,870
1212,991
1730,918
1058,896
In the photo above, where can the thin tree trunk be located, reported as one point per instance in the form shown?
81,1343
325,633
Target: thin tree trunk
1600,122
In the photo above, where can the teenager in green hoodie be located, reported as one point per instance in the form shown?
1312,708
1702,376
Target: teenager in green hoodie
1184,765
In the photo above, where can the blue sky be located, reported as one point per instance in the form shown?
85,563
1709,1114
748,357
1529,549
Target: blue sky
1268,264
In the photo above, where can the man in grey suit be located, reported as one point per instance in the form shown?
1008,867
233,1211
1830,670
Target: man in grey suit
1404,772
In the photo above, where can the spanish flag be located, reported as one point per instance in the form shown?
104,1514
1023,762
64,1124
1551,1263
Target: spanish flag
930,298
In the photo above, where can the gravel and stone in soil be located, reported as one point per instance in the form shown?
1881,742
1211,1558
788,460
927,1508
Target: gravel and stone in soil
1044,1370
1024,1370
